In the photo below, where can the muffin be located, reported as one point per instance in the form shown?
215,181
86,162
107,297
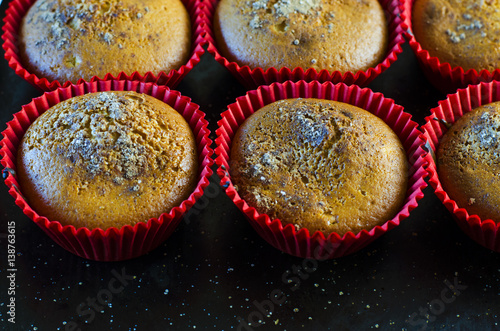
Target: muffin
468,161
107,159
67,40
461,33
319,164
333,35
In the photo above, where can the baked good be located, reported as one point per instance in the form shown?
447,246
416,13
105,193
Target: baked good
463,33
343,35
67,40
319,164
468,161
107,159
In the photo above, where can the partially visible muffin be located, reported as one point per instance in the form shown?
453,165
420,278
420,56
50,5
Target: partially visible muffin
319,164
67,40
343,35
468,161
461,33
107,159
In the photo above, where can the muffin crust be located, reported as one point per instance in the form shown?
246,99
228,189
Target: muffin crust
468,160
344,35
68,39
462,33
107,159
319,164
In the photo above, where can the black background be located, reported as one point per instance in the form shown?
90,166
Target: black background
215,269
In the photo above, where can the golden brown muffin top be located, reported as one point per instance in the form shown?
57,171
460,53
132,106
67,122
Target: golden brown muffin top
344,35
462,33
319,164
468,160
70,39
107,159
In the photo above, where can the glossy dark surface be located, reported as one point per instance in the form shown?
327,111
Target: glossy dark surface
216,271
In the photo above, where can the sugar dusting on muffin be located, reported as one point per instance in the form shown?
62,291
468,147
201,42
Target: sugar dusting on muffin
468,25
481,139
87,18
280,10
101,146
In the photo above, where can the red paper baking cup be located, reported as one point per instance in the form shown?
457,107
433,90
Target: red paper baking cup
17,9
442,75
317,245
254,77
112,244
484,232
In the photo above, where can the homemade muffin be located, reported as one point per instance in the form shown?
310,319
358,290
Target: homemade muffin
468,162
67,40
343,35
461,33
319,164
107,159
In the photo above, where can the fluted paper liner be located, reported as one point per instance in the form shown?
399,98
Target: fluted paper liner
319,245
442,75
484,232
112,244
14,14
254,77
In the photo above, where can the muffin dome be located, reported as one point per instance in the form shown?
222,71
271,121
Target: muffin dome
468,162
461,33
67,40
319,164
107,159
348,35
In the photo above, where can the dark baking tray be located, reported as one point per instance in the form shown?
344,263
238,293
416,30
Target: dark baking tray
215,272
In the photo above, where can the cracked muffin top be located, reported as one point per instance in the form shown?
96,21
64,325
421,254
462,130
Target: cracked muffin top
319,164
67,40
107,159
